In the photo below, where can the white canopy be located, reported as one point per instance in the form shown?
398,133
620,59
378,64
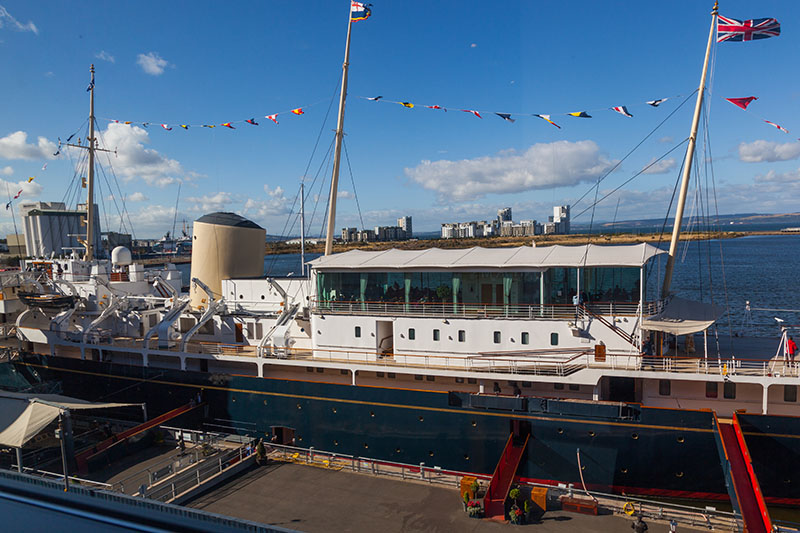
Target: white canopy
477,258
683,317
22,416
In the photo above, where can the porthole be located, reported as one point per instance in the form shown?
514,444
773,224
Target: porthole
678,474
366,445
333,409
336,443
372,414
262,296
680,439
560,431
397,450
583,467
299,406
265,402
421,419
466,457
474,423
241,296
635,436
591,433
623,470
430,453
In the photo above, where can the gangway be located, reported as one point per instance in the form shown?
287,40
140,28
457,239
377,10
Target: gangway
503,477
82,458
740,478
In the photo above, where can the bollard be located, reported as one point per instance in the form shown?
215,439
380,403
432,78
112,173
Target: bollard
422,470
311,454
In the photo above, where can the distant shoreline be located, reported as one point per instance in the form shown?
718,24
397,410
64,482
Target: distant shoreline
504,242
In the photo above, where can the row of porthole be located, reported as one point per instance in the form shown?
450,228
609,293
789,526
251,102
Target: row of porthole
634,436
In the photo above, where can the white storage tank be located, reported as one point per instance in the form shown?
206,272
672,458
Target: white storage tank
224,246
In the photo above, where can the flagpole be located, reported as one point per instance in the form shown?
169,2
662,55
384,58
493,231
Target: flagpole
687,165
339,136
13,218
303,228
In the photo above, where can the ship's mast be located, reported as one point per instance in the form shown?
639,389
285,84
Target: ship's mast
339,136
92,148
687,165
90,197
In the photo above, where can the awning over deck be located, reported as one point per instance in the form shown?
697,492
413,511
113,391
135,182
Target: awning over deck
477,258
682,317
22,416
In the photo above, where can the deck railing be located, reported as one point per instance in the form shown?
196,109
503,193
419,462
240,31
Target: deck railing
468,310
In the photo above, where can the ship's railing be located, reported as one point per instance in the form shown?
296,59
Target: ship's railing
467,310
685,515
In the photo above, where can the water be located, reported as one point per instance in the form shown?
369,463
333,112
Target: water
759,269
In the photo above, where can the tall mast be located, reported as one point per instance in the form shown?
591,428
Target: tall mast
302,229
339,136
90,201
687,165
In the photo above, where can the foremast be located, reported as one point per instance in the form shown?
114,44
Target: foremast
88,243
337,154
687,165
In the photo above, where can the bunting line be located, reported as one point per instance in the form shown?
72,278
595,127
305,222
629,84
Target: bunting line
512,117
743,102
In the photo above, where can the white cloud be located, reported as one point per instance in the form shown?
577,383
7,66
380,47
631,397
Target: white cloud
561,163
7,20
133,160
759,151
473,45
105,56
6,171
210,202
137,197
666,140
345,194
152,63
15,146
661,167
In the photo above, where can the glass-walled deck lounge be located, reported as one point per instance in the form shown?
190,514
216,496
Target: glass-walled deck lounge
553,286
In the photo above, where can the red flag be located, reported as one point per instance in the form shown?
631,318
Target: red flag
742,102
473,112
17,196
252,121
784,130
298,111
435,107
166,127
273,118
227,125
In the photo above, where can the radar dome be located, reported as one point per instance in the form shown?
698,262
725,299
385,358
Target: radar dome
121,256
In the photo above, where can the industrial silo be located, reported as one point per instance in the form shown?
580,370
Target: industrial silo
225,246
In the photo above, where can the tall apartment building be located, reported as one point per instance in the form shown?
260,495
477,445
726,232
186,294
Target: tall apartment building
504,215
561,218
405,224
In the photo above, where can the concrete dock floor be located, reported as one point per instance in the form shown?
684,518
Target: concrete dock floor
311,499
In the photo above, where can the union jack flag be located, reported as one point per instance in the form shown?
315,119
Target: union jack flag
729,29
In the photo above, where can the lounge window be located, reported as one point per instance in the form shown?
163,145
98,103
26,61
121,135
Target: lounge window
790,393
358,331
462,335
412,334
574,387
558,386
525,338
664,387
711,389
436,334
472,381
729,390
430,378
497,337
418,377
459,380
554,339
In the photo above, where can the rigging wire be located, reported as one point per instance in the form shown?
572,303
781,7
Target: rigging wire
614,167
350,169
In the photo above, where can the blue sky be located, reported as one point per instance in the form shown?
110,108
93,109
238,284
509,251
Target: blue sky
210,62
